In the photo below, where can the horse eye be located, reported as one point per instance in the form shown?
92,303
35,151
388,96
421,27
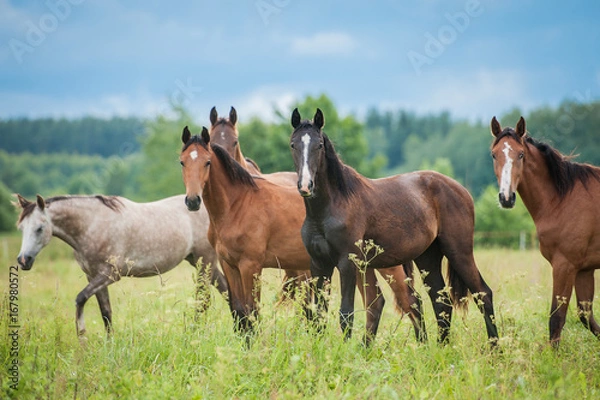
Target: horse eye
320,145
207,163
493,156
292,145
235,143
521,155
181,162
39,230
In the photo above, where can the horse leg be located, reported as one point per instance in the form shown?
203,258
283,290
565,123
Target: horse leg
97,283
348,289
430,265
407,300
563,279
250,274
372,299
465,276
584,289
235,297
105,308
320,291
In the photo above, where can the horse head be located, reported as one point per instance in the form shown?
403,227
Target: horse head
308,151
223,131
195,161
508,153
36,228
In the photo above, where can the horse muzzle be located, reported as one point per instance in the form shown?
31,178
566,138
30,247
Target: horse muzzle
306,190
193,203
25,261
507,203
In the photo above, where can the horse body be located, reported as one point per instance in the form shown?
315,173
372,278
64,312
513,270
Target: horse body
255,224
562,198
421,216
223,132
114,237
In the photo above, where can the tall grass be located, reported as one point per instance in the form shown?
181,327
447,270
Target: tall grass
159,350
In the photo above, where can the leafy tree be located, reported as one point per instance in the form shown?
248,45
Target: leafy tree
8,213
496,226
161,173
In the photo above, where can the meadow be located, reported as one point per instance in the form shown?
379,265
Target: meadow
159,350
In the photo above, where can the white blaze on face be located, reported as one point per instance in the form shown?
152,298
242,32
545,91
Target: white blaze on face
223,135
305,177
194,154
505,178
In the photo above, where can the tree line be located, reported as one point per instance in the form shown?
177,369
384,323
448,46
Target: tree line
139,158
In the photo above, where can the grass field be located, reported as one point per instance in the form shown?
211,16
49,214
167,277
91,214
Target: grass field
159,351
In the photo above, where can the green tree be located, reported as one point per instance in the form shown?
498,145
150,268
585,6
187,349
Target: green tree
495,226
8,213
160,175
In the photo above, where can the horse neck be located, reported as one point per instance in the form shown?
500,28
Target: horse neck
535,187
239,157
69,221
327,194
219,193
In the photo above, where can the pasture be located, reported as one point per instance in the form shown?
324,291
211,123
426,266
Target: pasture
158,350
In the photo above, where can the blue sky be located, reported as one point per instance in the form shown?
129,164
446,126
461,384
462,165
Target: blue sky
475,58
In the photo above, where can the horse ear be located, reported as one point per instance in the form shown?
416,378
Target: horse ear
40,202
205,135
319,120
521,128
295,118
186,135
495,126
233,116
213,115
23,202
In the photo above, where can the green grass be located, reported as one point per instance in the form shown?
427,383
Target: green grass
159,351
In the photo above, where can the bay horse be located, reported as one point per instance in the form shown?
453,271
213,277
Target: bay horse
114,237
563,199
223,131
421,216
255,224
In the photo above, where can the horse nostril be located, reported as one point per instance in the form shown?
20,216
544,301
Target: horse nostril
193,203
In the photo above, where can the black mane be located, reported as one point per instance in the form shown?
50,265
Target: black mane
235,172
563,172
341,176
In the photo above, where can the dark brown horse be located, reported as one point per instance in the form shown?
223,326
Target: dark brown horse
224,132
563,198
255,224
421,216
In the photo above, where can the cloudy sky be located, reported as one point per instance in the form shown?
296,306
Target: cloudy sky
475,58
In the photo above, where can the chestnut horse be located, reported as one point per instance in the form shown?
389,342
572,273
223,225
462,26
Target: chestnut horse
563,199
420,216
114,237
255,224
224,132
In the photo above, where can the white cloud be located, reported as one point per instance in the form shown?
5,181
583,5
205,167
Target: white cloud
263,101
478,95
324,44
